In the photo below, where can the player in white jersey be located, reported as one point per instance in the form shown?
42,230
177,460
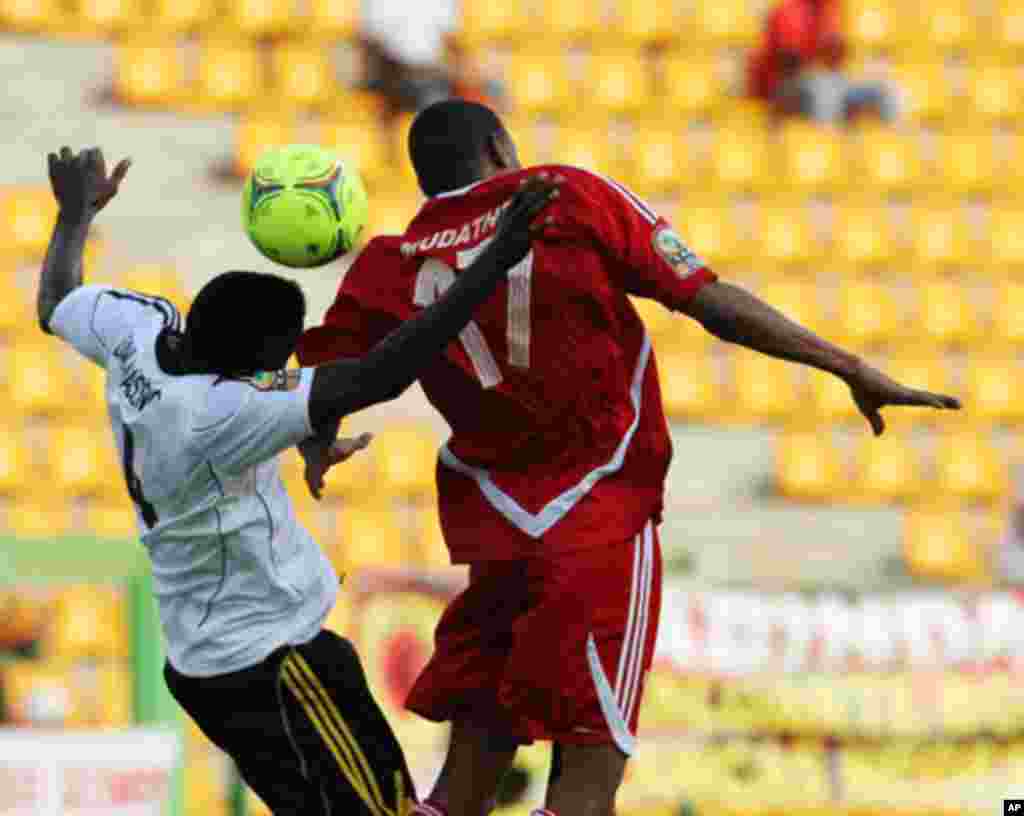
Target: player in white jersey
243,589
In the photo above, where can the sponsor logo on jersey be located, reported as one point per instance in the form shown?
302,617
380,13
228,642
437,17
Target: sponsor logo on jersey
676,253
287,379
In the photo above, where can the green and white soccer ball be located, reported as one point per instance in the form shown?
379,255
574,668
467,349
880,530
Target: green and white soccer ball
302,206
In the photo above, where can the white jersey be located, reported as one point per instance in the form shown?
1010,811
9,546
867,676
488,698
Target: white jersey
235,575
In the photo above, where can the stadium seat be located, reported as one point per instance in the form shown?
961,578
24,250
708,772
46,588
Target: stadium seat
886,469
994,90
831,400
33,16
258,132
39,694
661,162
537,82
948,25
39,517
332,20
391,214
644,23
357,479
994,389
807,467
739,160
690,387
529,141
484,21
1008,26
1006,239
858,238
866,314
618,81
230,75
570,20
763,389
17,313
708,228
357,142
872,25
587,147
967,162
112,520
147,71
658,320
783,236
406,458
259,18
38,380
111,701
796,299
179,16
939,238
1008,313
947,316
370,537
89,621
15,462
303,75
27,216
692,86
725,23
968,467
103,18
683,334
936,546
918,368
926,93
890,161
154,279
81,460
812,158
431,550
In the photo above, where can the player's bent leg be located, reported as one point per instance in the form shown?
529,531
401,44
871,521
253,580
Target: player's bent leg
345,740
588,780
476,761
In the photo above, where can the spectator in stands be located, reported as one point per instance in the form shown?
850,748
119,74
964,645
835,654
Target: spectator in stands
798,68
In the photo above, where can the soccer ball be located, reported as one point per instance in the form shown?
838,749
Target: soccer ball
302,206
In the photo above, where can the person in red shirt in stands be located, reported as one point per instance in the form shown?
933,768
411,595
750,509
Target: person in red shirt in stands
551,486
797,69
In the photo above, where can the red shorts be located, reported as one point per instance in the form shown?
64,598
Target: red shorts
549,648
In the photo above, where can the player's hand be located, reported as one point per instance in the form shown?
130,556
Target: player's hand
320,459
80,182
872,390
515,227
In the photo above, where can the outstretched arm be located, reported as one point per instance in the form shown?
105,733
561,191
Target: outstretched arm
82,188
736,316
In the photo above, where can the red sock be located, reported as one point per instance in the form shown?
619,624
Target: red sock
429,807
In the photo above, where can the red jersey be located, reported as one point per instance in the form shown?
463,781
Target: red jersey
552,394
802,27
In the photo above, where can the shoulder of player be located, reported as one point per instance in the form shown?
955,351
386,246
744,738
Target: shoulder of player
219,400
377,271
140,306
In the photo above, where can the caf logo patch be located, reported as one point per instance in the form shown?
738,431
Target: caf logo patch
676,253
283,380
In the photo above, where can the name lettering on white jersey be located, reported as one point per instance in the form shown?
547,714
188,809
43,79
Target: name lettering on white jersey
136,387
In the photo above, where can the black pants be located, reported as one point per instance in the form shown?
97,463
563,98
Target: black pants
304,731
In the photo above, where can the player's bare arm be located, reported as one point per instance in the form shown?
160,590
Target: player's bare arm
82,188
736,316
347,386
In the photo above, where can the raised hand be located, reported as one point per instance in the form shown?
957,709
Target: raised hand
872,390
515,228
80,182
319,459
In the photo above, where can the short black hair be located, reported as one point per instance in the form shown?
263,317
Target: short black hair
244,322
447,142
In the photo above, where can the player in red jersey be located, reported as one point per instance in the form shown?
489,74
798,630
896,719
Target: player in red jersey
551,485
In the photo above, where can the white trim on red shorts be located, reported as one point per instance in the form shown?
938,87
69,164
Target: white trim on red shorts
536,524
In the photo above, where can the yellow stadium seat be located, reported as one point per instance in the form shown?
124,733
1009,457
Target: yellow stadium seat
302,74
104,18
948,25
230,75
866,314
357,142
683,335
812,158
390,215
89,621
355,478
528,139
38,379
81,460
15,463
725,22
994,90
332,20
618,81
111,696
658,320
807,467
939,238
890,161
968,467
570,20
155,279
147,71
739,159
258,132
936,546
831,399
259,18
796,299
661,161
644,23
858,237
708,228
112,520
39,693
784,236
886,469
33,15
692,85
485,21
17,313
586,147
431,550
872,24
921,369
994,389
537,82
179,16
690,387
406,458
947,316
39,517
370,537
927,95
27,216
1006,238
967,161
1008,313
764,389
1008,25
